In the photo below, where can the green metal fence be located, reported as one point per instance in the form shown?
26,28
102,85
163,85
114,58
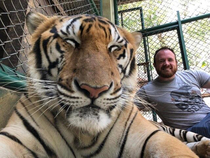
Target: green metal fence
15,39
182,25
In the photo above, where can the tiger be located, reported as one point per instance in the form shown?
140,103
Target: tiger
199,144
78,104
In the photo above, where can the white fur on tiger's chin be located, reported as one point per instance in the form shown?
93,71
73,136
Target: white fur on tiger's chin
90,123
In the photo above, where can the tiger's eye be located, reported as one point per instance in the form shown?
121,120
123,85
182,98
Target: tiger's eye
115,48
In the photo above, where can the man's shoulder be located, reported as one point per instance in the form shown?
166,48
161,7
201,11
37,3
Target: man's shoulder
149,84
191,72
187,71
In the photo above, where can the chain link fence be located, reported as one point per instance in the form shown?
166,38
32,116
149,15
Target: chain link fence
158,21
15,42
15,39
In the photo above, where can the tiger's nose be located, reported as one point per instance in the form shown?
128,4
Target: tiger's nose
94,92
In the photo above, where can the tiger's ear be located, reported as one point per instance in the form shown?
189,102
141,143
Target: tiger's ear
33,20
138,38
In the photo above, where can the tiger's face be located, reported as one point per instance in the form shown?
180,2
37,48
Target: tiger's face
83,67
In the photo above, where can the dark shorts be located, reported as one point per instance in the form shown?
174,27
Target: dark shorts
203,127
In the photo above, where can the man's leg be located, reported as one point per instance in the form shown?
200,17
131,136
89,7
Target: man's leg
203,127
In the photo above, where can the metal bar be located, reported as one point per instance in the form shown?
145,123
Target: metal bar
145,45
182,43
101,8
94,7
154,115
159,30
172,25
129,10
196,18
116,13
122,24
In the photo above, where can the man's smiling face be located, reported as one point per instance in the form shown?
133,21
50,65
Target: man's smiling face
165,64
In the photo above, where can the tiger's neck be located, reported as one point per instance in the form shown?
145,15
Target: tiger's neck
83,139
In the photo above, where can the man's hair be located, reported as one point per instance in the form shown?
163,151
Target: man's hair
163,48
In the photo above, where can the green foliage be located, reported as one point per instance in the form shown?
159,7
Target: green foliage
204,64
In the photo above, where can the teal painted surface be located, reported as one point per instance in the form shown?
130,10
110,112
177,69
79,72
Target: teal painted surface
182,43
11,79
94,7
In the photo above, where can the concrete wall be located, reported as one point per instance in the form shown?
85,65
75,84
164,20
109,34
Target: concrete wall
8,100
108,9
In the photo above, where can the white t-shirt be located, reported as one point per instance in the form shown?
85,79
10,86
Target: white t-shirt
178,102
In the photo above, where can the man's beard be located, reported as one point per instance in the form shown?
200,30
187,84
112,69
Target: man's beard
165,74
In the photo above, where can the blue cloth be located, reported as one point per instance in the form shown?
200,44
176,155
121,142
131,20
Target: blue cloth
203,127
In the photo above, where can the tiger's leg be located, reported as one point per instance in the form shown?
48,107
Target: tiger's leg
197,143
201,148
10,148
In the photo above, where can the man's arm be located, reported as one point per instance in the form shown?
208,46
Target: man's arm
203,78
207,85
141,101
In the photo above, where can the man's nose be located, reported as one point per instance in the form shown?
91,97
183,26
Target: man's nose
166,62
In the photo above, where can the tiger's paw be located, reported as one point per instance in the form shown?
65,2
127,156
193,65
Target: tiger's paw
202,149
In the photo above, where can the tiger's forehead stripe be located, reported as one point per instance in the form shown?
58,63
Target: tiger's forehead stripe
72,22
72,27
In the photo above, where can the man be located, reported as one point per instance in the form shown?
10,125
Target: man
176,96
